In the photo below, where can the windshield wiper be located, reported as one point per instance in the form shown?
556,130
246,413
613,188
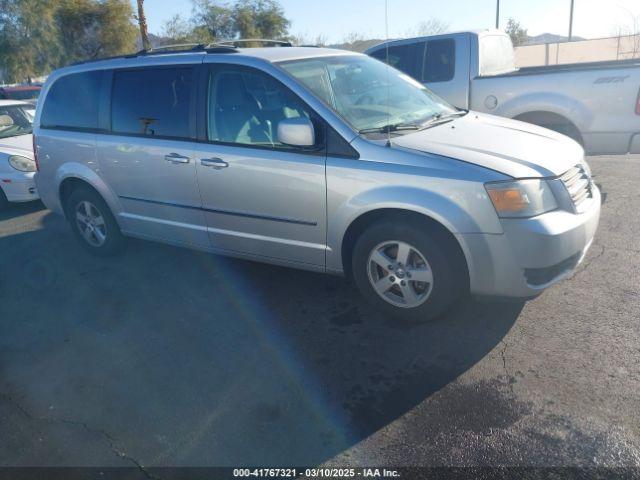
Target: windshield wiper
436,119
391,128
439,119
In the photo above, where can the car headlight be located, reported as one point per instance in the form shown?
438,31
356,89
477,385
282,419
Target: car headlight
21,163
521,198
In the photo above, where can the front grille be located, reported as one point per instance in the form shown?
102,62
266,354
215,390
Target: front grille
578,184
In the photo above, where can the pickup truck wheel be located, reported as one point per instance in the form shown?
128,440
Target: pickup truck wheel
93,223
406,271
553,122
568,131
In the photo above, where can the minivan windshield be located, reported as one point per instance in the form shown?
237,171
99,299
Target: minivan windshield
369,94
15,120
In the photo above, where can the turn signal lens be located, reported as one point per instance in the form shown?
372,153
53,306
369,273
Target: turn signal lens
521,198
509,200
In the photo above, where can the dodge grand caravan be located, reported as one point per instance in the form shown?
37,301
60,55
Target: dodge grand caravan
318,159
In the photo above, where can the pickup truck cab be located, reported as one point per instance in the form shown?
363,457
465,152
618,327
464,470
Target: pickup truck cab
317,159
596,104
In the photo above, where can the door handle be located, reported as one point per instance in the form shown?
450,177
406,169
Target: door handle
216,163
176,158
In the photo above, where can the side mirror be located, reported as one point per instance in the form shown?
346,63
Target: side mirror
296,132
6,121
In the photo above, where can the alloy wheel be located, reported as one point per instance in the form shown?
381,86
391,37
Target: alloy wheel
91,224
400,274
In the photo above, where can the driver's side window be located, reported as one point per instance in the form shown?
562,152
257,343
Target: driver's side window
244,106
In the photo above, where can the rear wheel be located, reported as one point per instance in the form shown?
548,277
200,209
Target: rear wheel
407,271
93,223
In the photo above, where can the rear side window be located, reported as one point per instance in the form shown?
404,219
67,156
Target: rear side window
402,57
152,102
72,102
439,61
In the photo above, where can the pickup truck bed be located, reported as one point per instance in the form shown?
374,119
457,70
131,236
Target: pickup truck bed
572,67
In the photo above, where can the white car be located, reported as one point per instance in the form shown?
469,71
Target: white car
17,164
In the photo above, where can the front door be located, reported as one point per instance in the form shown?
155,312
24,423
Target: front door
260,197
148,159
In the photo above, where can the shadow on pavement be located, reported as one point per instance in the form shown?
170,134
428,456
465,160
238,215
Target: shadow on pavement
15,210
186,358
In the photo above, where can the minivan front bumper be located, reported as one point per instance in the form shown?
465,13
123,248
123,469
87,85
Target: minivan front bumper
532,254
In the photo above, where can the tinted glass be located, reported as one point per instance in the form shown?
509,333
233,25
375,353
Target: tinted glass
152,102
402,57
72,102
245,107
439,61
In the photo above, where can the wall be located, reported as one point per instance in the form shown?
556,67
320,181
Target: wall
601,49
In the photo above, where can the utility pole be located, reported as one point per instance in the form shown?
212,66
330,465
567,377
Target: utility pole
142,21
571,22
498,13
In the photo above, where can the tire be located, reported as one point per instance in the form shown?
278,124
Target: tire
4,203
93,224
430,251
568,131
553,122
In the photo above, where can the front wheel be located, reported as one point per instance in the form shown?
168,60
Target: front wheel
407,271
93,223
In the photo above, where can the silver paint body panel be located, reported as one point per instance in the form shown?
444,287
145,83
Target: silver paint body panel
293,208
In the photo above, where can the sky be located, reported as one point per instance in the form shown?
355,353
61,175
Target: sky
335,20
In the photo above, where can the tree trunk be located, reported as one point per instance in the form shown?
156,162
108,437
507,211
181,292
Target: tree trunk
142,21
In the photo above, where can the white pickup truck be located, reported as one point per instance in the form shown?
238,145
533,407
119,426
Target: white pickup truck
596,104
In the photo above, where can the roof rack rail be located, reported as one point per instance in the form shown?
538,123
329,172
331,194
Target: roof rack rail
180,47
169,49
238,42
220,48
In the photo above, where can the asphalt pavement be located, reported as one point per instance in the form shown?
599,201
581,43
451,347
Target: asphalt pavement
165,356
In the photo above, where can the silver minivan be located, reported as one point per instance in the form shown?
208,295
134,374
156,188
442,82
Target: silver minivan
318,159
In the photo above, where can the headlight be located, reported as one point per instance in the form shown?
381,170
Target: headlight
23,164
521,198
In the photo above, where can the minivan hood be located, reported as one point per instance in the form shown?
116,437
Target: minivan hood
517,149
18,145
